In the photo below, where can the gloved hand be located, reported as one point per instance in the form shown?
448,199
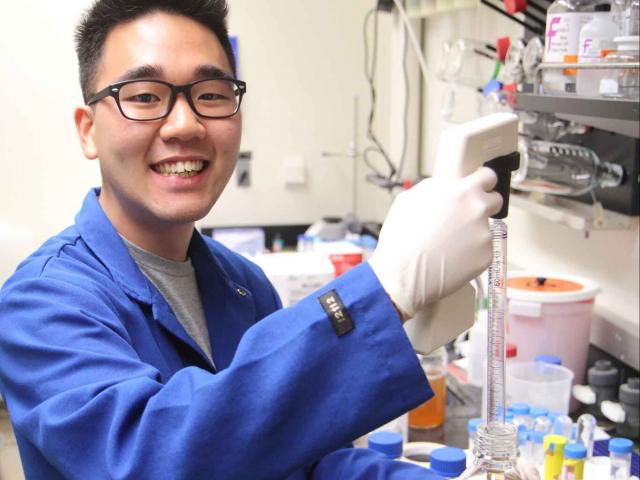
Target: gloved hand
435,239
524,471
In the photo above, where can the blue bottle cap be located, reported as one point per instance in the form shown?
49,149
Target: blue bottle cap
552,359
575,450
538,437
491,86
472,425
389,443
520,408
553,415
448,461
508,416
536,412
620,445
522,437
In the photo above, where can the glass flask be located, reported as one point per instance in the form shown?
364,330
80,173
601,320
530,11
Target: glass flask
563,169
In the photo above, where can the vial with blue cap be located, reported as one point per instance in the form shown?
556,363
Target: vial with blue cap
521,415
541,428
575,455
620,458
536,412
387,443
449,462
472,426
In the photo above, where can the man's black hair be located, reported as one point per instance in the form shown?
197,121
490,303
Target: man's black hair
104,15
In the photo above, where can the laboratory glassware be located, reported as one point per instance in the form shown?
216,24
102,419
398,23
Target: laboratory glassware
564,20
620,458
586,427
513,62
521,415
575,455
563,425
547,126
623,82
472,426
563,169
631,18
431,414
554,447
596,37
532,57
541,428
467,62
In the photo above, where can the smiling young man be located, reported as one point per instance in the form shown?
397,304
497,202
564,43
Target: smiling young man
133,347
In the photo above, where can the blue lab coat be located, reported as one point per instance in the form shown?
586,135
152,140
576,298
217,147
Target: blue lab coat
102,381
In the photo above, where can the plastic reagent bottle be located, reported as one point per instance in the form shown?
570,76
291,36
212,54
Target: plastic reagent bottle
449,462
554,447
575,455
595,37
472,426
620,457
388,443
565,19
521,415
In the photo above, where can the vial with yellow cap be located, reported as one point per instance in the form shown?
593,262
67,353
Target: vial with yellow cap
575,455
554,446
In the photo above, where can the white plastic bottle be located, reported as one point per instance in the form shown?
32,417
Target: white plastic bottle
595,37
565,18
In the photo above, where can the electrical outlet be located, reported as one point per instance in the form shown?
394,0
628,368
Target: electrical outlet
243,170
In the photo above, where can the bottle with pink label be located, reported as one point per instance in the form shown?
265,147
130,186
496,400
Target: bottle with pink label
565,19
596,40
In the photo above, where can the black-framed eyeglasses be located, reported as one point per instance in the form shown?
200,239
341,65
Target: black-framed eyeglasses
145,100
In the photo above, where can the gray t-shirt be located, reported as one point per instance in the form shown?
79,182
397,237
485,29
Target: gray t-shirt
176,281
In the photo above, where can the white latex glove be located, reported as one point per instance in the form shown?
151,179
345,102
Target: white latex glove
524,471
435,239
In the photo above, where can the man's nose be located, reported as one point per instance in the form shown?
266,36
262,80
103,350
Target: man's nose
182,123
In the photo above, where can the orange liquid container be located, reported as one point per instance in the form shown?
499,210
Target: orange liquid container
431,413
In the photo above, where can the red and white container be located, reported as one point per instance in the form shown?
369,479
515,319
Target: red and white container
551,315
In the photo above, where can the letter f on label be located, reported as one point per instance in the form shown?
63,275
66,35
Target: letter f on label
551,32
586,45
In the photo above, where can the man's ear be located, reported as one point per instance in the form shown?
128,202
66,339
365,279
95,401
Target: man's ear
83,117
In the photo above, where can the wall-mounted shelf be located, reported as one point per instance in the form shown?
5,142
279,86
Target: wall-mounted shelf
614,115
575,215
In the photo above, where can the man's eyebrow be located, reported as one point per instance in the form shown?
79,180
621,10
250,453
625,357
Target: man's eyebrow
211,71
143,71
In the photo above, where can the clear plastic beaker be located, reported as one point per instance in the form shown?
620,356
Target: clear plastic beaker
431,414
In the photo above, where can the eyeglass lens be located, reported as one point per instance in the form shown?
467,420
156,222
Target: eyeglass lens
145,100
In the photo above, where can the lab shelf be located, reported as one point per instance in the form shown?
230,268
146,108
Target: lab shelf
613,115
575,215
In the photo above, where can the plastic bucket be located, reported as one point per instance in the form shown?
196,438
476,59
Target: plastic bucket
551,315
540,385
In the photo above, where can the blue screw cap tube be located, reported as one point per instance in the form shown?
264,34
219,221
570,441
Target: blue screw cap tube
449,462
388,443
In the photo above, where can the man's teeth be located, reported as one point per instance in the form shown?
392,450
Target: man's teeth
184,169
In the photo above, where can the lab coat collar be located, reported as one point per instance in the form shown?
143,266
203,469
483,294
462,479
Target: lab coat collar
104,241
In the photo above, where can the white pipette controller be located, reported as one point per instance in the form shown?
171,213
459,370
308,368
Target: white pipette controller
491,140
